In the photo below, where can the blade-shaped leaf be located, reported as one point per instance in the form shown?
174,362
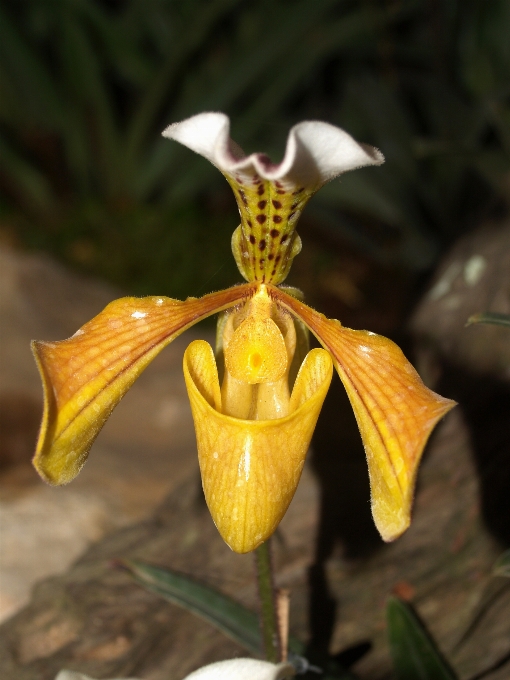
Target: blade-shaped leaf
490,318
413,651
232,618
502,566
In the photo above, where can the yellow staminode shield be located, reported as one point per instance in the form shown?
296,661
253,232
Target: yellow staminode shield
251,468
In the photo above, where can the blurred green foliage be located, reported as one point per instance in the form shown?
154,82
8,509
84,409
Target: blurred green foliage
87,86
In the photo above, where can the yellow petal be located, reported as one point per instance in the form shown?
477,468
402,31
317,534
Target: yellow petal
251,468
86,376
395,411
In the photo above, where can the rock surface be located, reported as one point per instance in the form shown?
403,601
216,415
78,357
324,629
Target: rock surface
474,277
96,620
472,364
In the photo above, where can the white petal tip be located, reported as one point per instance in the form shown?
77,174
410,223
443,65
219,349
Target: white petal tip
316,152
243,669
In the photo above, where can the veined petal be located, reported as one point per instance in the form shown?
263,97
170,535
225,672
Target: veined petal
86,376
272,196
395,411
251,468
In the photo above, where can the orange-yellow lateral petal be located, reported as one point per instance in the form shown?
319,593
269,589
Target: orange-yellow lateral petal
395,411
251,468
86,376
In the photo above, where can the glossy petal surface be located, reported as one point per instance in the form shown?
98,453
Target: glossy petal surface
87,375
395,411
250,468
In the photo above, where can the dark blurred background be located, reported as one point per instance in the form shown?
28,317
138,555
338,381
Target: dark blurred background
87,86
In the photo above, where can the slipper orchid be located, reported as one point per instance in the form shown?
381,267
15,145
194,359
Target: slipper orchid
253,430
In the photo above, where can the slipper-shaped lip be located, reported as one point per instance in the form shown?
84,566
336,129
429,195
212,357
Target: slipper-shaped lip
251,468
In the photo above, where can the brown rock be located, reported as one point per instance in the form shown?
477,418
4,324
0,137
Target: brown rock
472,365
95,619
474,277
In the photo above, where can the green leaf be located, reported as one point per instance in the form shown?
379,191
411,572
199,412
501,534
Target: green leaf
502,566
413,651
26,179
232,618
490,317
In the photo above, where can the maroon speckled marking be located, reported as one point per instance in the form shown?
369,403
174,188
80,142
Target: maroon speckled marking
252,239
262,244
277,219
261,190
261,205
274,233
261,219
277,205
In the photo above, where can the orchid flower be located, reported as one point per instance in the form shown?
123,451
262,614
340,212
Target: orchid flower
232,669
253,430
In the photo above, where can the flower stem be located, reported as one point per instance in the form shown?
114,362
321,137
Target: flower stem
269,617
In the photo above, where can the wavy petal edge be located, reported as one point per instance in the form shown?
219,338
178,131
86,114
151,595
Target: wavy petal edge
316,151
